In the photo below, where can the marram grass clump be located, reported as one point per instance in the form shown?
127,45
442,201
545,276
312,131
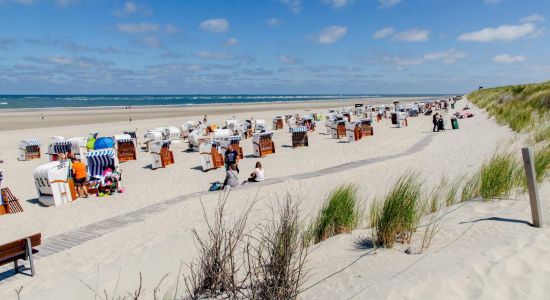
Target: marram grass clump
542,163
340,214
499,176
395,217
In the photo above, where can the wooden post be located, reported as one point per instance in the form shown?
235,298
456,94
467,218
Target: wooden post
529,164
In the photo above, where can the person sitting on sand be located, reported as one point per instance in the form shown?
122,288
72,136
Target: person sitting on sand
231,177
258,174
80,174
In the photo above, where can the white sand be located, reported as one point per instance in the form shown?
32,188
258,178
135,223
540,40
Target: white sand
486,259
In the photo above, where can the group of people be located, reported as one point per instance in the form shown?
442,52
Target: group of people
439,125
232,170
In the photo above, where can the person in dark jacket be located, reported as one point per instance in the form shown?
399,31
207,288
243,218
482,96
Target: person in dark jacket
434,121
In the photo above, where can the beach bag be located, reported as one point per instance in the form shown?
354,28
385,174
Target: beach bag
216,186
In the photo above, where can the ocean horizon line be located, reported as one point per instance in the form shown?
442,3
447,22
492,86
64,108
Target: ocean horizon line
30,101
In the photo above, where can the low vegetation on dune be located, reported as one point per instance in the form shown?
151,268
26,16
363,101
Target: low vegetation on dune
542,162
266,263
499,175
339,214
395,217
521,107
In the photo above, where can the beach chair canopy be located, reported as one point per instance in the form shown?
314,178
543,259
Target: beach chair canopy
31,142
61,147
123,138
131,133
98,160
104,143
235,139
299,129
269,133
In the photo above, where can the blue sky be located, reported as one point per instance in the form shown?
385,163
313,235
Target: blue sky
270,46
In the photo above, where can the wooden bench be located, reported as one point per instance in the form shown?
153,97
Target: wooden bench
20,249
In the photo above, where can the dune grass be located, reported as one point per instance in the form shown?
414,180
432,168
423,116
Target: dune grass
499,175
542,133
395,217
520,106
471,187
542,163
339,214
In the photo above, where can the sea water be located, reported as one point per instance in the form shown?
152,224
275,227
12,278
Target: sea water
57,101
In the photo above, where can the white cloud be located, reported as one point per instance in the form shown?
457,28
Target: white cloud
170,28
232,42
447,57
383,33
413,35
532,19
61,60
25,2
450,56
388,3
287,59
508,59
129,8
337,3
214,55
215,25
331,34
294,5
66,2
501,33
150,41
275,22
137,28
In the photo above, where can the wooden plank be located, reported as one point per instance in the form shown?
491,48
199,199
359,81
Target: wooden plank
529,164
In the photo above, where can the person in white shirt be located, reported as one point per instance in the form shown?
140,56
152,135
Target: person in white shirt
258,174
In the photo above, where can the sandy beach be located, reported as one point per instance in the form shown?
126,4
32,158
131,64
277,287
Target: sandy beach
104,243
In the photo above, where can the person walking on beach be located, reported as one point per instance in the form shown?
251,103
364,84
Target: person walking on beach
231,158
434,121
80,174
258,174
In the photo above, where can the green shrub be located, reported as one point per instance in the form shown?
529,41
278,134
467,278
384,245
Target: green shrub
396,216
339,214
